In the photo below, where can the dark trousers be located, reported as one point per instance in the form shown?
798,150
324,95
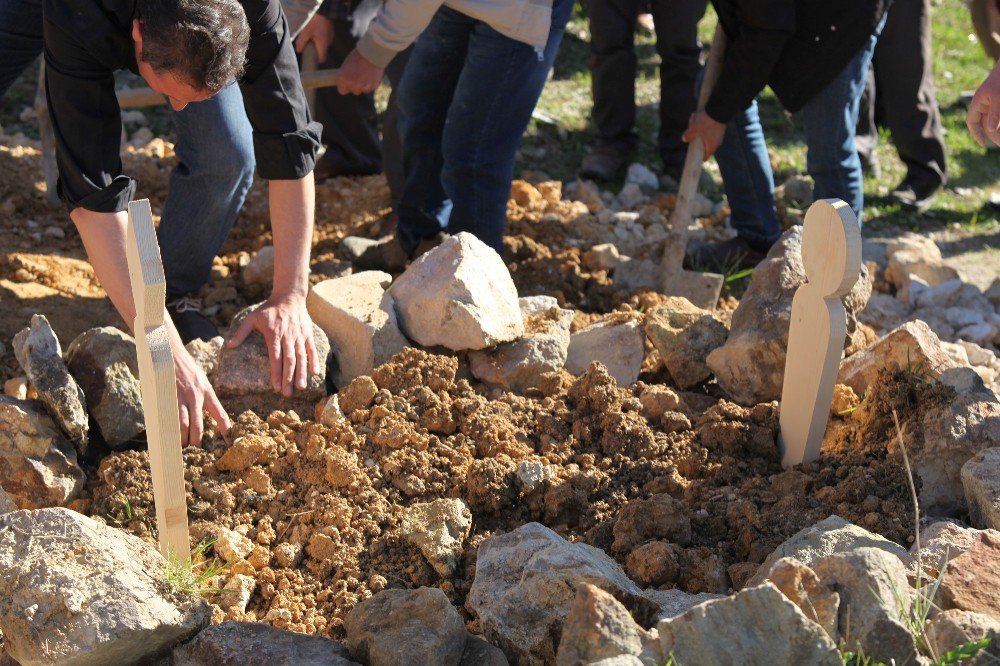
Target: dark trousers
350,123
613,65
900,95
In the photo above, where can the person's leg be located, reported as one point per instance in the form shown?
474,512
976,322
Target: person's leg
866,132
350,124
392,142
20,38
425,93
613,70
830,118
677,43
207,187
904,73
499,86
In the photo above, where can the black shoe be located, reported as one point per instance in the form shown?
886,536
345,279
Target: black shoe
386,254
603,163
191,324
914,196
724,257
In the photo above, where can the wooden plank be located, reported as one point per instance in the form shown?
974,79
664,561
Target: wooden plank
310,64
131,98
831,257
157,381
48,136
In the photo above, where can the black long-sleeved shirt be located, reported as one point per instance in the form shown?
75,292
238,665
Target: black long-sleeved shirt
86,41
795,46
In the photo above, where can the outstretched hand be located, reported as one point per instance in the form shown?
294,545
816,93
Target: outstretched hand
983,117
710,131
195,396
288,333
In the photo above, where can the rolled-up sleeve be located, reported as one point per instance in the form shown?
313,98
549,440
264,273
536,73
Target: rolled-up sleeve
86,121
285,138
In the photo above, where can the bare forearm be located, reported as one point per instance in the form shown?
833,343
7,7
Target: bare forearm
103,237
292,203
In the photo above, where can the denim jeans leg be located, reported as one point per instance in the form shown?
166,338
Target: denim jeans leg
425,94
392,142
748,180
830,119
207,187
496,94
20,38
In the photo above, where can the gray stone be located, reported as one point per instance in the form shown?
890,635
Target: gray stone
598,627
531,474
480,653
6,503
78,593
260,270
981,479
949,629
943,541
247,643
359,318
103,361
684,335
751,365
38,351
439,529
642,176
459,295
803,587
631,196
525,583
874,595
38,465
674,602
619,346
400,627
914,255
519,365
883,312
759,624
828,537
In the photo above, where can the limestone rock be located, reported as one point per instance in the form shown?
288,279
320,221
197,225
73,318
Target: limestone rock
684,335
868,581
598,627
38,466
6,503
618,346
525,583
328,411
803,588
520,364
883,312
972,581
603,257
359,318
911,346
829,536
82,593
260,270
236,592
532,474
206,353
751,365
38,351
243,643
438,529
981,479
916,255
231,545
759,624
952,628
943,541
459,295
641,175
103,361
674,602
399,627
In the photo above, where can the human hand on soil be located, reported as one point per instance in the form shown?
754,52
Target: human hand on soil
357,75
195,395
710,131
288,333
319,31
983,117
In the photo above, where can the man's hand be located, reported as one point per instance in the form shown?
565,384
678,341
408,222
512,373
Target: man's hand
319,31
357,75
983,118
709,130
195,395
288,332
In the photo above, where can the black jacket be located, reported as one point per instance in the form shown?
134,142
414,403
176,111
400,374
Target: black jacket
795,46
87,40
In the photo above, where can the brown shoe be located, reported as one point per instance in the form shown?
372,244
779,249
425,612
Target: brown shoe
734,254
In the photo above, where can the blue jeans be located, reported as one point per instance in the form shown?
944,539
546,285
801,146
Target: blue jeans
832,160
214,147
465,100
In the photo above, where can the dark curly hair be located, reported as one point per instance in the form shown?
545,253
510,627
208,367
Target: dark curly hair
202,42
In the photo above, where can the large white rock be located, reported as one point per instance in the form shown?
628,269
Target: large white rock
75,592
459,295
943,541
981,478
620,347
914,255
520,364
359,318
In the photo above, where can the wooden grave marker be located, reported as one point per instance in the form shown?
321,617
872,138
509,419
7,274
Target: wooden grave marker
158,382
831,257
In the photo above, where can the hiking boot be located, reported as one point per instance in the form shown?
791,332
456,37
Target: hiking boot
914,196
735,254
385,254
603,163
191,324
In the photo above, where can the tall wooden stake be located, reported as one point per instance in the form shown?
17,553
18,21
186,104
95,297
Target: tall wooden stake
158,382
831,257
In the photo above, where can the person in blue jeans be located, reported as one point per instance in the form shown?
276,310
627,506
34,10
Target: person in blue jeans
466,97
815,58
228,70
